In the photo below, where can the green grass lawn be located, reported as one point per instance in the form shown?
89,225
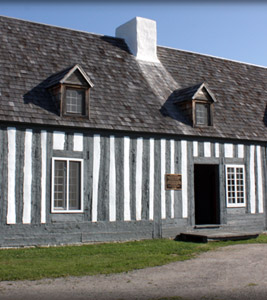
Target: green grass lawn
37,263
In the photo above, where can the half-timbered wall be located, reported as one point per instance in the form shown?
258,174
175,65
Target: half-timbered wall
123,185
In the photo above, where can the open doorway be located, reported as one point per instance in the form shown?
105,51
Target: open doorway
207,205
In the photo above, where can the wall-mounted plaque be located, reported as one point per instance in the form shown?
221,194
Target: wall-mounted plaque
173,182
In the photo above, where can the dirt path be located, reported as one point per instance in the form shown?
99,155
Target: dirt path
235,272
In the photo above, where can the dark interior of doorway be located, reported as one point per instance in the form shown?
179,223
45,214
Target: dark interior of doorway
207,206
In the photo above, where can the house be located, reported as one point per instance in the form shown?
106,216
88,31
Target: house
115,138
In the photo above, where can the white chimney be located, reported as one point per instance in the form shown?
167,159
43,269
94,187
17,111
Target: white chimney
140,34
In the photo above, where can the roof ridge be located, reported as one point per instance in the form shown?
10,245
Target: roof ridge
60,27
214,56
113,37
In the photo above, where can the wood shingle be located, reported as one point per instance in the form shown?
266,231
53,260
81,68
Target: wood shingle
128,94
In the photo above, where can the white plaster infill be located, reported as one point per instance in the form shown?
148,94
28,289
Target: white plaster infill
184,178
217,150
140,34
58,140
228,150
126,179
163,171
207,149
112,180
96,169
151,178
139,175
27,182
43,176
11,165
252,180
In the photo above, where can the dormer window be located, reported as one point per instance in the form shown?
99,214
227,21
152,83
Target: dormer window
75,101
197,104
70,92
202,114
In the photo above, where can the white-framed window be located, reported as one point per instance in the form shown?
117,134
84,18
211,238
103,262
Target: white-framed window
67,185
235,186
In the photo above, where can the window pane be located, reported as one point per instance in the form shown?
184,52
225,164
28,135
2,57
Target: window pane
235,185
74,185
202,114
75,101
60,184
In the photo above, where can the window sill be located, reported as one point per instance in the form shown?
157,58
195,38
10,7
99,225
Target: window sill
67,211
72,116
203,126
236,205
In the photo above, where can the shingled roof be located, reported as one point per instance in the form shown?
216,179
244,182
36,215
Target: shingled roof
128,94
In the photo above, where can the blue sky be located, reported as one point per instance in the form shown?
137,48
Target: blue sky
234,30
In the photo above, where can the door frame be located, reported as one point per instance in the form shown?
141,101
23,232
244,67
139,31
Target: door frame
221,184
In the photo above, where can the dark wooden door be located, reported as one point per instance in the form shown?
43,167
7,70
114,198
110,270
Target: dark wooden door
206,184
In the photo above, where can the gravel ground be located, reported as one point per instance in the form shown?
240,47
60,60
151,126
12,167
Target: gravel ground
234,272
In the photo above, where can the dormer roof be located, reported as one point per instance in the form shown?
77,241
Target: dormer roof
72,75
199,91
